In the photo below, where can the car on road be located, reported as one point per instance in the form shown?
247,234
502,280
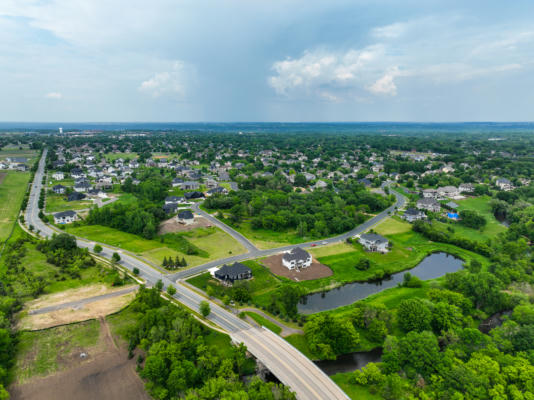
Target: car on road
325,242
313,245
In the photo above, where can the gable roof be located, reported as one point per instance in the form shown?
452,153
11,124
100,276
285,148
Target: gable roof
232,271
186,214
62,214
297,254
373,237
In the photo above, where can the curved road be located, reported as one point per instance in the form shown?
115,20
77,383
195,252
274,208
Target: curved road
290,366
256,253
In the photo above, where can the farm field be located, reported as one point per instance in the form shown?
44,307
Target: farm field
211,243
12,189
16,152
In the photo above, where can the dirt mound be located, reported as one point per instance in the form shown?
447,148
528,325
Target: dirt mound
172,225
315,271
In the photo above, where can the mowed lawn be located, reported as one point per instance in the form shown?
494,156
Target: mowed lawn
56,203
482,206
12,190
212,243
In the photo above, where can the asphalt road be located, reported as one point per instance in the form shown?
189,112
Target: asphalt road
256,253
284,361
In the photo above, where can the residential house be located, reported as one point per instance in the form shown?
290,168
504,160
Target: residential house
170,208
77,173
412,214
58,176
174,199
82,187
74,196
296,258
193,195
190,185
185,217
177,182
428,204
466,187
374,242
235,272
320,184
448,192
65,217
217,190
430,193
504,184
59,189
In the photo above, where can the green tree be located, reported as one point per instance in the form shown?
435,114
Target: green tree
414,315
115,258
159,285
97,249
171,290
204,308
328,336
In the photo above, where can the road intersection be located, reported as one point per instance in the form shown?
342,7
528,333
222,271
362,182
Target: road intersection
290,366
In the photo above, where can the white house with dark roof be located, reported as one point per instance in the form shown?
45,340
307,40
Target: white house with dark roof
413,214
504,184
296,258
65,217
185,217
234,272
58,176
428,204
374,242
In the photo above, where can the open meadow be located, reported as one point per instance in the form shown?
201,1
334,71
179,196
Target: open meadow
12,189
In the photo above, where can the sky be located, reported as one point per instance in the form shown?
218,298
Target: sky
270,60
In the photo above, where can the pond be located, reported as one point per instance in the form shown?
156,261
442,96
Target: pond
433,266
350,362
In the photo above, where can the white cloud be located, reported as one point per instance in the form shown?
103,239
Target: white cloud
386,84
315,71
54,96
390,31
171,83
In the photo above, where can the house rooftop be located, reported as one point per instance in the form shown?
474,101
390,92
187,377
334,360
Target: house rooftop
296,254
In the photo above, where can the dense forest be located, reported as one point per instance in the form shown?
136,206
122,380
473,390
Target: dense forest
141,218
319,213
181,364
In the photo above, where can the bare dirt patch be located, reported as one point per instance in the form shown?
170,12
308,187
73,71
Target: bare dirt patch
106,373
2,176
84,312
172,225
72,295
315,271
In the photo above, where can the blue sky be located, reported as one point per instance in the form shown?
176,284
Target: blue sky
271,60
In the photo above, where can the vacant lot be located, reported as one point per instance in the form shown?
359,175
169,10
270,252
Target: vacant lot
12,192
56,203
211,243
82,306
315,271
49,365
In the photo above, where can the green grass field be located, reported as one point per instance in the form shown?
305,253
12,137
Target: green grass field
16,152
212,243
40,353
12,190
409,248
482,206
264,322
56,203
124,156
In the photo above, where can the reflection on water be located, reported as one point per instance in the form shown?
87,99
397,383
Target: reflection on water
350,362
433,266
